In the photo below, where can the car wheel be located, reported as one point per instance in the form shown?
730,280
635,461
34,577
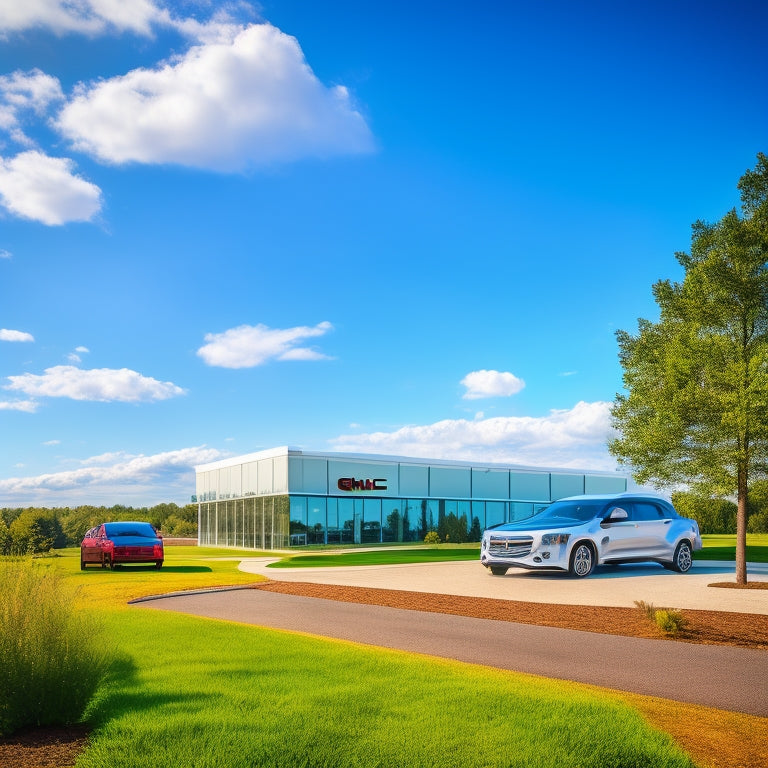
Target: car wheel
82,565
112,564
158,564
498,570
683,558
582,561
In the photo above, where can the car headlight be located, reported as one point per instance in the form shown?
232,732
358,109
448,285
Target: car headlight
555,538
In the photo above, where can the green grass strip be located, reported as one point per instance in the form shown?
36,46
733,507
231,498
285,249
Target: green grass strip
380,557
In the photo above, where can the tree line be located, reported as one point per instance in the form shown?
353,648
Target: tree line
26,530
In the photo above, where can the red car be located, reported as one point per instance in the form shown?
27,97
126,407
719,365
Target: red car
112,544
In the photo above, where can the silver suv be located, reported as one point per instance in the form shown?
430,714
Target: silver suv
580,532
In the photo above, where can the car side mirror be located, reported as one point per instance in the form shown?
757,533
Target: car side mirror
617,513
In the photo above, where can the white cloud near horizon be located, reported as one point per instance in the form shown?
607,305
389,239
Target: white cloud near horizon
25,406
233,104
573,438
98,384
482,384
46,189
113,478
16,336
248,346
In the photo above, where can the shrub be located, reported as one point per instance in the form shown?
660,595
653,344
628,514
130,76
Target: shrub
432,538
758,522
670,622
53,656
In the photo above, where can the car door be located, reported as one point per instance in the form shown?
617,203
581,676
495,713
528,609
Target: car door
653,526
619,532
89,548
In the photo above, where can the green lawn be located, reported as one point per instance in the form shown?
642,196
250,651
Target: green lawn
393,556
723,547
200,693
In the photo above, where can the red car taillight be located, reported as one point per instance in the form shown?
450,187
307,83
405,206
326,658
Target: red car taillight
158,550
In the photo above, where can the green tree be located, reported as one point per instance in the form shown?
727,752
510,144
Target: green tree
695,410
36,530
712,515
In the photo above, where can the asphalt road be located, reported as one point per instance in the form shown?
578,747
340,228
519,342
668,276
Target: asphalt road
727,678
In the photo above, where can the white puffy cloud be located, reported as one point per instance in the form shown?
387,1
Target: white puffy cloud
25,406
563,438
5,254
114,477
250,345
8,335
99,384
25,91
89,17
35,186
484,383
243,100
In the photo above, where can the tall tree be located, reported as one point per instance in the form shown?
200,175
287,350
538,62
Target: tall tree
695,411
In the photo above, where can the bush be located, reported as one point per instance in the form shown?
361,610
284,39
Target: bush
712,515
758,523
432,538
670,622
53,656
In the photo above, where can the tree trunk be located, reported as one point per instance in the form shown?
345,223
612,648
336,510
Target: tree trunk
741,528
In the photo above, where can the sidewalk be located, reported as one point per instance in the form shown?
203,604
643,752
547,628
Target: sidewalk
607,586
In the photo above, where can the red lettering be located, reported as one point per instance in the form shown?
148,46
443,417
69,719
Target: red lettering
351,484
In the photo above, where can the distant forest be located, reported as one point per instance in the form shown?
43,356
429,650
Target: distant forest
39,529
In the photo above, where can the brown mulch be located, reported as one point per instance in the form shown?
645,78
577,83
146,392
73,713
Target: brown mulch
59,747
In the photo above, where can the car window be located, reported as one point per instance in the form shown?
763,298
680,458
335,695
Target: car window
645,510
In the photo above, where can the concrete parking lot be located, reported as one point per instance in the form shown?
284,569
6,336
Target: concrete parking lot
608,586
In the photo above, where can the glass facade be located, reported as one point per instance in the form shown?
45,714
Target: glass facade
287,498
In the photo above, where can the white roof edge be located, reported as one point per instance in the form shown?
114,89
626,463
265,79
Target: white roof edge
364,457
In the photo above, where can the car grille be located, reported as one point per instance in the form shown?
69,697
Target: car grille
510,546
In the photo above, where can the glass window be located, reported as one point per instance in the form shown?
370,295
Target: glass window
641,510
494,513
396,521
250,479
316,520
298,521
371,525
566,485
346,520
519,510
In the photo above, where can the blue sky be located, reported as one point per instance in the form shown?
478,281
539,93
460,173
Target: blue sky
401,228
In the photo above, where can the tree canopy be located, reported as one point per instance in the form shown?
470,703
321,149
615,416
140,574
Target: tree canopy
695,412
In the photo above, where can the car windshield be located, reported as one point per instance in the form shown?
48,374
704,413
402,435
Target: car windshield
572,510
144,530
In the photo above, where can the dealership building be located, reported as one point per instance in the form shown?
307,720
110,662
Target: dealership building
285,497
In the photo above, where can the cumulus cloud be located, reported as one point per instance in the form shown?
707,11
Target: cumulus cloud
246,100
5,254
131,479
25,406
46,189
7,335
89,17
484,383
98,384
250,345
23,92
563,438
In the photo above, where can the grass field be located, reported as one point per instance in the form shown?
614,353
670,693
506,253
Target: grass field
199,693
723,547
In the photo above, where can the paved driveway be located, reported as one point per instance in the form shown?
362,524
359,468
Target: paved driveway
726,678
